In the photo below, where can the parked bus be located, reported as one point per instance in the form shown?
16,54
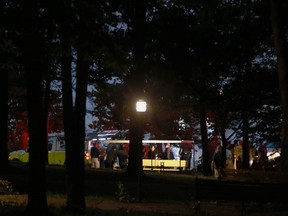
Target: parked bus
176,147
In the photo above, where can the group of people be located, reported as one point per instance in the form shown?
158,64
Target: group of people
107,158
260,157
182,152
257,158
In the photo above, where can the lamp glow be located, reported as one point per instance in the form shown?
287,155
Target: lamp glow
141,106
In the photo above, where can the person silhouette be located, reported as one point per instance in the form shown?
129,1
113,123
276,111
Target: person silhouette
217,162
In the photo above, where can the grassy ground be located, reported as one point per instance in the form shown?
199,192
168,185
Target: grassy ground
104,186
111,192
105,183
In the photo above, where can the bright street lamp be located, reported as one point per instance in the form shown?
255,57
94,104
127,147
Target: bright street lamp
141,106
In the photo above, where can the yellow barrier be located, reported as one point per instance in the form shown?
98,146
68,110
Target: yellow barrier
164,165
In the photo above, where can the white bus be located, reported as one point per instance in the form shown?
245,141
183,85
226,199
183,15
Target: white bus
155,164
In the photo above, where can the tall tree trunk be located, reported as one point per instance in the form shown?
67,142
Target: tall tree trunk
45,116
66,79
224,145
76,165
4,98
206,161
69,129
222,121
136,87
245,145
75,150
206,164
73,117
37,199
3,119
279,36
47,86
135,148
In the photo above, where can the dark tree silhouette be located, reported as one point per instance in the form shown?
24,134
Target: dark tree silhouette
135,85
74,115
4,119
37,199
3,95
280,42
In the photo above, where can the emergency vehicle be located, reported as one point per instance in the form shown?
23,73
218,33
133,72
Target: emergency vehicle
56,151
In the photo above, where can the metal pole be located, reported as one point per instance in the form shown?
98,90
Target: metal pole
139,143
141,109
151,157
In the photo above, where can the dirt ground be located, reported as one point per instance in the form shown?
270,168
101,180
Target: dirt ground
167,208
206,208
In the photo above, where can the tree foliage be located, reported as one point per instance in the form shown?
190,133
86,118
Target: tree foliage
193,61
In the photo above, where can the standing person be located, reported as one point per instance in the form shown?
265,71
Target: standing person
102,158
167,153
175,151
123,157
262,155
238,154
185,154
111,157
252,154
152,152
217,162
212,145
95,152
145,152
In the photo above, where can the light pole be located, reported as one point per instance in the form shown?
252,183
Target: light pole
141,107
